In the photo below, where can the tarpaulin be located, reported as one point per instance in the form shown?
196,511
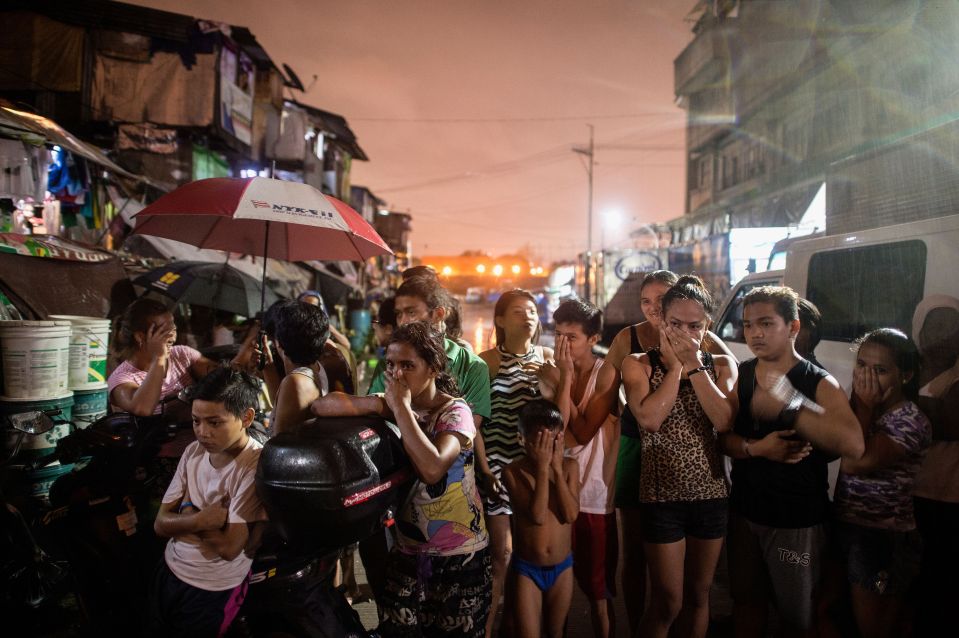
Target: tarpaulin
147,137
161,91
39,53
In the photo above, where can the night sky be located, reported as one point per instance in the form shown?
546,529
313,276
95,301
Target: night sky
468,108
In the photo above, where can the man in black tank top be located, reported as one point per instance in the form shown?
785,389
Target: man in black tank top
791,418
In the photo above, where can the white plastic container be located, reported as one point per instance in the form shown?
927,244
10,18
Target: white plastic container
36,359
89,348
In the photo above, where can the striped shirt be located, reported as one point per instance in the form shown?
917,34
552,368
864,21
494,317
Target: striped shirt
515,383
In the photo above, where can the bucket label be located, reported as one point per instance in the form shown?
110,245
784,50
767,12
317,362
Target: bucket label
33,372
88,356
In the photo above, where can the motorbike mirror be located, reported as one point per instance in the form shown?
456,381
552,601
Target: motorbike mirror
35,422
186,394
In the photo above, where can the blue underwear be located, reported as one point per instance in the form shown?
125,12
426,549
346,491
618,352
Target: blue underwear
544,577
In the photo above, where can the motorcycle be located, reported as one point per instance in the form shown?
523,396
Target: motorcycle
325,485
35,585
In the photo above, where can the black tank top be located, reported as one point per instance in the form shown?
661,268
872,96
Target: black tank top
771,493
628,424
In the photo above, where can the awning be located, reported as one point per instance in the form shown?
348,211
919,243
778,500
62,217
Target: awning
782,207
46,275
286,279
37,129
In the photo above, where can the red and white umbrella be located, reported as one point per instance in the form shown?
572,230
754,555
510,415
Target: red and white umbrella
232,214
262,216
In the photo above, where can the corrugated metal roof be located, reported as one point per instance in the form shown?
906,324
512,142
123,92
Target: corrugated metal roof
130,18
245,38
114,16
335,124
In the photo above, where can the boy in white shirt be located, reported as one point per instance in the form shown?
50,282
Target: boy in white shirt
208,512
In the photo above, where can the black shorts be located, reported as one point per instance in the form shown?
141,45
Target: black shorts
880,560
180,609
675,520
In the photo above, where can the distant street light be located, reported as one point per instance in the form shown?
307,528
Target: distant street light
481,268
497,270
612,221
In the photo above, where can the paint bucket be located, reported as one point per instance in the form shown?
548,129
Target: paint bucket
36,445
36,359
89,406
89,347
43,479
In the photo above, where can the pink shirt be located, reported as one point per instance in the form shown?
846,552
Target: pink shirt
177,373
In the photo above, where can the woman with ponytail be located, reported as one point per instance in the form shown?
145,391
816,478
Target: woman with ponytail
677,393
439,574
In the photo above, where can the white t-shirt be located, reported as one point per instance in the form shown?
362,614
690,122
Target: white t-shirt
597,459
204,485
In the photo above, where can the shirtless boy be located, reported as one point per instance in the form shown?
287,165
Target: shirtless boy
544,491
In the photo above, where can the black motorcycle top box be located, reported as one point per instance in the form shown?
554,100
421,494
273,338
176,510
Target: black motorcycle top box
334,481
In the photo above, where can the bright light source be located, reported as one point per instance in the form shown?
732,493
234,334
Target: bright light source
515,269
613,218
447,271
248,172
497,270
383,212
481,268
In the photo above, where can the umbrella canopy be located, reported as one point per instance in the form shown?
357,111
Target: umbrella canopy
261,216
206,284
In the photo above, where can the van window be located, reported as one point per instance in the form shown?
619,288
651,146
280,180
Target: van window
730,327
861,289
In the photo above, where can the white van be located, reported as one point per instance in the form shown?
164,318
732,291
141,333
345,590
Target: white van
859,281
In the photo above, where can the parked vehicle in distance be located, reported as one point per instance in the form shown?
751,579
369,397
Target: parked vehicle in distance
474,295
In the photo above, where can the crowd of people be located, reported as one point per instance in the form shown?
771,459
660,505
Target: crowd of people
536,467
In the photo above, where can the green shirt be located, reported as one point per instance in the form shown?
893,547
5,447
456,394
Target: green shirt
470,372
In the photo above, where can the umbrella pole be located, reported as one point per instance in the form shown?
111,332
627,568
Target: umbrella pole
266,246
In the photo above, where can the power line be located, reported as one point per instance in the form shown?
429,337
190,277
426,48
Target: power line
504,120
539,158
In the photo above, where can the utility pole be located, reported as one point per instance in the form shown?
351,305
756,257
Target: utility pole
588,152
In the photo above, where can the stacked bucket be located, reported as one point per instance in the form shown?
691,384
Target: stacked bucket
56,365
87,375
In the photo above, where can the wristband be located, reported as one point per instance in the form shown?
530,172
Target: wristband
746,448
699,369
790,411
185,505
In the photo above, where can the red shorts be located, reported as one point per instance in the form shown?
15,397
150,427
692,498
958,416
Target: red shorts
596,554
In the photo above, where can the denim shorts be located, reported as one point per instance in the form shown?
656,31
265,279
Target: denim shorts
675,520
882,561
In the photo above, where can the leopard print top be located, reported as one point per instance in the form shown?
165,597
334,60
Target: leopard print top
681,462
